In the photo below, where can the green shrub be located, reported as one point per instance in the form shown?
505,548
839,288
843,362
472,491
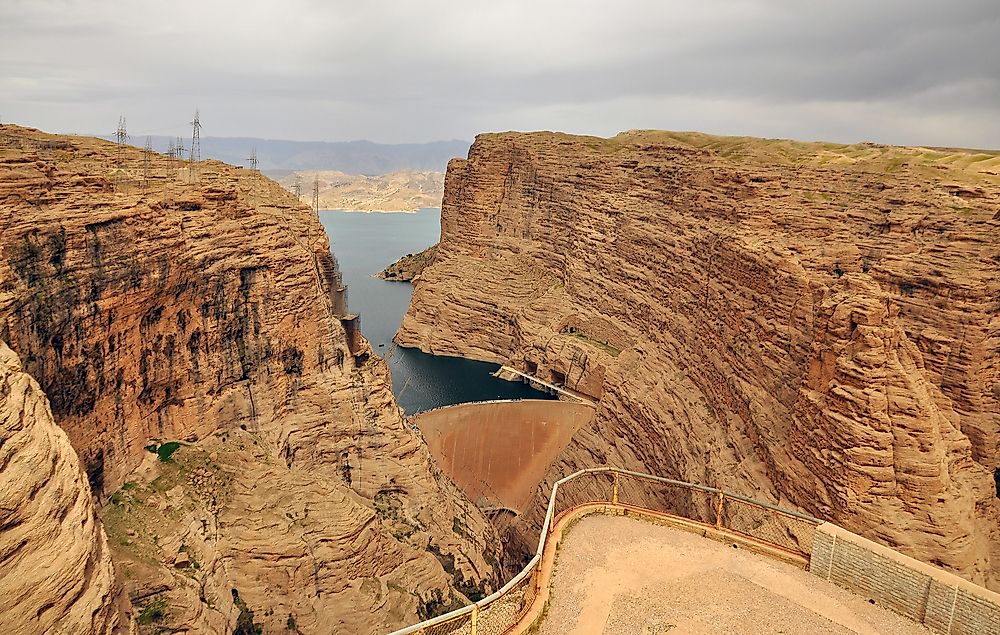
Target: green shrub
154,611
167,450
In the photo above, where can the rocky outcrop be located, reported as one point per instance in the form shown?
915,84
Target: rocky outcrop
410,266
188,325
56,574
816,324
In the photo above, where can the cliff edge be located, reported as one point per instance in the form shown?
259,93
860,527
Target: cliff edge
811,323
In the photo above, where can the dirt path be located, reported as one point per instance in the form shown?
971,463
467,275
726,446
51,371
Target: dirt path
620,576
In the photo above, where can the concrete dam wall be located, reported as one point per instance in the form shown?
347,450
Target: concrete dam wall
498,451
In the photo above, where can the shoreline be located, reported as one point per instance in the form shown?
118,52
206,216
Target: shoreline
375,211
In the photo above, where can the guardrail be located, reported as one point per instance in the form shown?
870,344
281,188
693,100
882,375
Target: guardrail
776,527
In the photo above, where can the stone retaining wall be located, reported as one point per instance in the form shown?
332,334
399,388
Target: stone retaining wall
942,601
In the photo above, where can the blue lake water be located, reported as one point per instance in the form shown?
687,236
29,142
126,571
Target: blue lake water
364,244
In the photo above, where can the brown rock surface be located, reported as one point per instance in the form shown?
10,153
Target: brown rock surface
203,306
812,323
56,574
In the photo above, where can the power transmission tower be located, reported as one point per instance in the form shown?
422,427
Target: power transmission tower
196,138
147,155
180,149
121,138
316,194
172,149
298,186
253,159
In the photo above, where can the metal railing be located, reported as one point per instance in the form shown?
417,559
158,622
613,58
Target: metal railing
771,525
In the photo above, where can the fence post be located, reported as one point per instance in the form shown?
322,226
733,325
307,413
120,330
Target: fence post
614,491
475,618
718,510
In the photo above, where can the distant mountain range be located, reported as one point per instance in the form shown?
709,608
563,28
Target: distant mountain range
404,191
277,156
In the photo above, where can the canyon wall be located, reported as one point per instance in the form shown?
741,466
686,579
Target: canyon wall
188,326
56,574
814,324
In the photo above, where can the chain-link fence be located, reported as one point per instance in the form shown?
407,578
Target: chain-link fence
454,623
497,617
667,497
709,506
768,524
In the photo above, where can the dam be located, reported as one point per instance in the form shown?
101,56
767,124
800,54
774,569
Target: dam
497,452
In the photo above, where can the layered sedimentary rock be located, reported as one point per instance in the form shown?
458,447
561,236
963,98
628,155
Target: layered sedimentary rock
56,574
812,323
188,326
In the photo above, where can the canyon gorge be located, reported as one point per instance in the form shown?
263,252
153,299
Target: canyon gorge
197,436
813,324
221,412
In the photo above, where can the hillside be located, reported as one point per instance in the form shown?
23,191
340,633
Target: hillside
810,323
248,459
395,192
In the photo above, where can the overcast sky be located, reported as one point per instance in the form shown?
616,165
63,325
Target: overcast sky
894,71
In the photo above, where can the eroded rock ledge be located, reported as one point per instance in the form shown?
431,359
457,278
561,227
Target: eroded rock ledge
56,574
812,323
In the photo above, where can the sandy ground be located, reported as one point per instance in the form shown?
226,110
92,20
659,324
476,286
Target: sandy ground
621,576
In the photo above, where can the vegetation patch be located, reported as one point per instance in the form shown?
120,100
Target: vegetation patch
388,504
436,604
604,346
166,451
244,622
153,612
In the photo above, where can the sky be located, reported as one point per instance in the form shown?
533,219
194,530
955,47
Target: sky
910,72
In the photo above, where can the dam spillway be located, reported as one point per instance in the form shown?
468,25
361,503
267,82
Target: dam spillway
497,452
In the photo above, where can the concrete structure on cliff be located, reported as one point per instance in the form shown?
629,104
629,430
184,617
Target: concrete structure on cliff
497,452
630,579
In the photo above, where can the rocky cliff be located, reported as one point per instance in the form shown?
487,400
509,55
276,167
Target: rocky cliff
817,324
56,574
188,326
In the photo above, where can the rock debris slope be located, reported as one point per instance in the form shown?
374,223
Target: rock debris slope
56,574
818,324
187,326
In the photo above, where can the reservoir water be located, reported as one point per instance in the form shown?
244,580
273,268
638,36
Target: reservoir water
364,244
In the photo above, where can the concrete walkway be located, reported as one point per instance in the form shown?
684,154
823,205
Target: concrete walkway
566,392
621,576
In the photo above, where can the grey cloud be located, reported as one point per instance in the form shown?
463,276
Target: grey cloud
894,70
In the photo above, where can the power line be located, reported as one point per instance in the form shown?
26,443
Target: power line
253,159
298,186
